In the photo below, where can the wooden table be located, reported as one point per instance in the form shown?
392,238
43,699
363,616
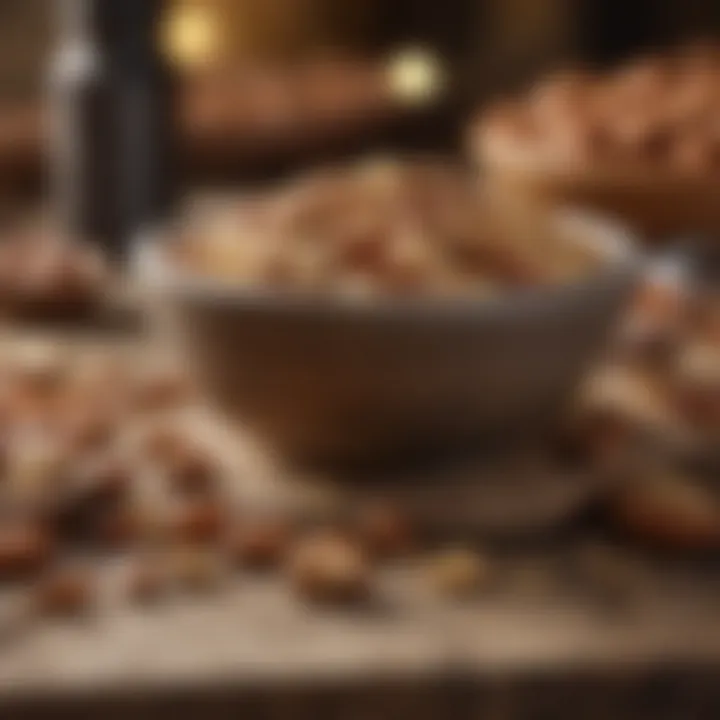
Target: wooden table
544,625
569,626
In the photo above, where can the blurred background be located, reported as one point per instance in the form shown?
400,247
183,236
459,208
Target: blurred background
484,47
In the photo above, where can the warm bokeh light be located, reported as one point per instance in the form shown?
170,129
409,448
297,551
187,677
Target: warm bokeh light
416,75
192,35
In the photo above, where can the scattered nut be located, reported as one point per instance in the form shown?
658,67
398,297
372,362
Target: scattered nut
613,575
260,544
161,389
36,467
65,592
91,500
40,369
385,531
191,470
24,548
147,582
86,430
196,521
106,480
670,511
118,528
162,444
195,569
329,568
459,572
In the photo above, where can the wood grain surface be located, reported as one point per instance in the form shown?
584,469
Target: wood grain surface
569,626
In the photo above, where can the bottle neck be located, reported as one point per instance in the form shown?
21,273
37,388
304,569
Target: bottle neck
122,32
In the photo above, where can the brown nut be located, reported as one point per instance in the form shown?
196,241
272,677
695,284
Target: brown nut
65,591
599,436
106,480
260,544
147,582
118,527
696,386
163,443
35,468
385,531
700,407
195,569
669,511
560,97
85,430
25,546
696,154
92,500
191,470
196,521
642,136
643,82
161,390
327,567
57,281
40,371
459,572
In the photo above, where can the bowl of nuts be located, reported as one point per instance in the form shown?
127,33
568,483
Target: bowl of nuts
638,142
386,308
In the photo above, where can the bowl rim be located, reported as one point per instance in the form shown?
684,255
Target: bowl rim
612,238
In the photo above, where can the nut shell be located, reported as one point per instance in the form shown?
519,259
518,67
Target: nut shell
330,568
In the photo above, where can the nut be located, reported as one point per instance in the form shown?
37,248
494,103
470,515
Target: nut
64,592
385,531
459,572
161,389
260,544
669,510
90,503
85,429
195,569
35,468
162,444
191,470
196,521
118,527
25,546
146,582
105,480
329,568
40,370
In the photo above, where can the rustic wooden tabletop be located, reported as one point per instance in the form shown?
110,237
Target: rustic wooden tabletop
545,617
571,626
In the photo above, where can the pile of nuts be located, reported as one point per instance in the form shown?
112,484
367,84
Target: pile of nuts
97,459
382,227
657,112
671,347
652,415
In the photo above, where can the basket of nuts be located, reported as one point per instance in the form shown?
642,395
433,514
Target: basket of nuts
638,142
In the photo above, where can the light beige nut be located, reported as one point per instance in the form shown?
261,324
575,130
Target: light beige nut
327,567
459,572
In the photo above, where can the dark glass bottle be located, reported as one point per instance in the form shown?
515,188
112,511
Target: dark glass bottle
111,109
